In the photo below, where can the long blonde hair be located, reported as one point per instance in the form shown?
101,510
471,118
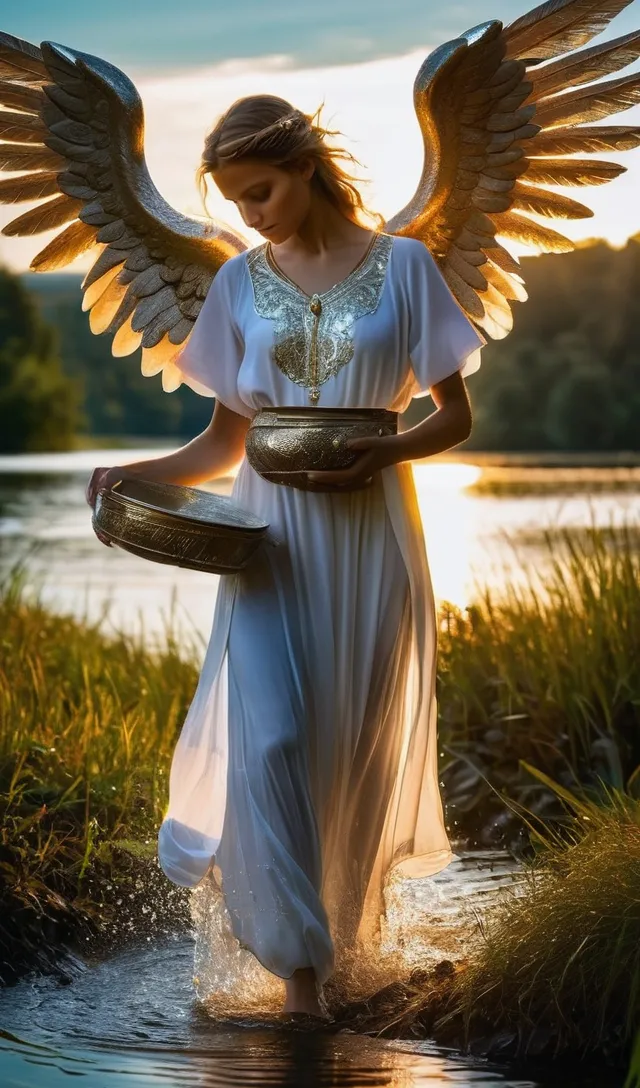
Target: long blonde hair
270,130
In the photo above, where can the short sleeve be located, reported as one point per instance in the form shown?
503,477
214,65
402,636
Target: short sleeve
211,357
442,339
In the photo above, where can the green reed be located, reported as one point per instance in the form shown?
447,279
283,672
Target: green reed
547,672
87,726
539,699
87,721
557,963
553,968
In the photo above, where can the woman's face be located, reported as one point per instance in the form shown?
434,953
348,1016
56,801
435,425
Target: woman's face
271,200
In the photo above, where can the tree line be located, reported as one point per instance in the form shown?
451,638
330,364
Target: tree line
567,378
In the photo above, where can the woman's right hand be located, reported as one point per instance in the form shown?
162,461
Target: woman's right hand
102,478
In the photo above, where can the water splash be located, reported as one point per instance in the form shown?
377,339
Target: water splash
427,920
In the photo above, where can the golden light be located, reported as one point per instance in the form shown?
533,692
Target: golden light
369,102
446,476
450,524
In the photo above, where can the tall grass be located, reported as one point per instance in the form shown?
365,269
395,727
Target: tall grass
558,965
539,696
548,674
87,726
555,971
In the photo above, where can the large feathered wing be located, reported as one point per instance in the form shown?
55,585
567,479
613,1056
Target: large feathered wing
73,126
505,112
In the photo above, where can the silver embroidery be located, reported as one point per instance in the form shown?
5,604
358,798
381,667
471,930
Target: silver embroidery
313,335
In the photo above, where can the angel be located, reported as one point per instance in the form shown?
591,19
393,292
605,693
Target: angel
306,770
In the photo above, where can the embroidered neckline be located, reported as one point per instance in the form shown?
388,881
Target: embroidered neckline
274,270
313,334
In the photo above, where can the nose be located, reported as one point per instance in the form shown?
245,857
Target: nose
250,221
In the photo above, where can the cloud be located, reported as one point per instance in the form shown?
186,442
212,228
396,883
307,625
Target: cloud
369,102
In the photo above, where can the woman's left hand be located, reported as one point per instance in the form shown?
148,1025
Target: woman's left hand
377,453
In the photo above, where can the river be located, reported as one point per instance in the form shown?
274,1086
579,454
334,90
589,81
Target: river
484,520
133,1018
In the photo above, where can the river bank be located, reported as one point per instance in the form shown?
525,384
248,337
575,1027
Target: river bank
539,697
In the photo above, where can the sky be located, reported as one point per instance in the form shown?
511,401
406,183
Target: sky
191,59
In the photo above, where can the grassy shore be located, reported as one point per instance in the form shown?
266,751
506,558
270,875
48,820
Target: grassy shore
87,726
539,698
555,974
547,675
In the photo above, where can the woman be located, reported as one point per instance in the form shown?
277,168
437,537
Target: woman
307,765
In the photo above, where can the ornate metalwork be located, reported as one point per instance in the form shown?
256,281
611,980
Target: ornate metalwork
313,335
285,443
182,526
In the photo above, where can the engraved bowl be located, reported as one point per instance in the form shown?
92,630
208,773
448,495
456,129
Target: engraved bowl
181,526
284,443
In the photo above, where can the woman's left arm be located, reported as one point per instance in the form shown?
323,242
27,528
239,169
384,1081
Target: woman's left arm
449,425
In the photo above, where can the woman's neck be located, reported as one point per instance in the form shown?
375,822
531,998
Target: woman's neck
323,230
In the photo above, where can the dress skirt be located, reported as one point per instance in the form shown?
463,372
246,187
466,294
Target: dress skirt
306,769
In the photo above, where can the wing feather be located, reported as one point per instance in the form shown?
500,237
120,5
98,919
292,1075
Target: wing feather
585,140
522,229
126,341
76,239
72,125
463,291
29,158
504,260
53,213
23,128
18,97
151,307
589,103
20,61
585,66
498,310
510,287
97,289
468,270
550,171
161,324
34,187
499,127
559,26
106,307
530,198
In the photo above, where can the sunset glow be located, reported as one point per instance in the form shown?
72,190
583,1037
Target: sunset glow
370,103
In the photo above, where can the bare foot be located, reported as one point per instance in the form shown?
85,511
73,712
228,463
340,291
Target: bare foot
302,994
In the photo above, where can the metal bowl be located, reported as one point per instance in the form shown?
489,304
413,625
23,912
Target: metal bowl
182,526
282,444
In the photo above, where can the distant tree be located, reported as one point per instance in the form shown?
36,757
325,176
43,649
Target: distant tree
568,376
39,403
118,399
580,412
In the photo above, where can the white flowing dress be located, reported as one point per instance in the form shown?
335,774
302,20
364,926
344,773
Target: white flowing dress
306,769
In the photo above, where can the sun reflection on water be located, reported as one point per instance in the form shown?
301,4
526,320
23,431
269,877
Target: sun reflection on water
484,519
450,521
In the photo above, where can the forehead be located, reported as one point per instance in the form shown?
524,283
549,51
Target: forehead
234,178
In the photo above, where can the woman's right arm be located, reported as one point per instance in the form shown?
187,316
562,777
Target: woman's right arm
211,454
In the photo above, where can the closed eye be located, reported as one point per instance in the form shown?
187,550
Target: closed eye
258,198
